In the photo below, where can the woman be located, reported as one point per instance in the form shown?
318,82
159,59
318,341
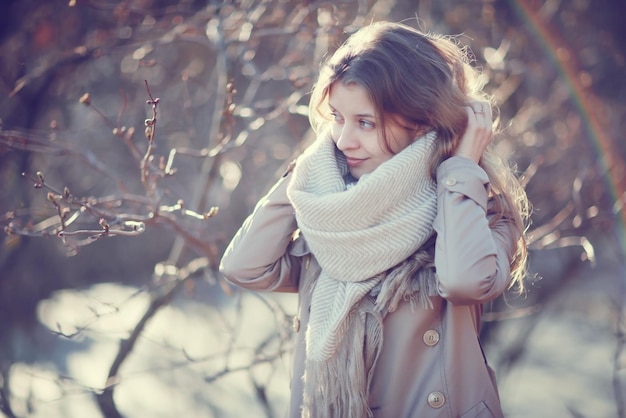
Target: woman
394,227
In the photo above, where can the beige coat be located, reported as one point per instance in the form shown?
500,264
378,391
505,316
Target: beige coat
432,364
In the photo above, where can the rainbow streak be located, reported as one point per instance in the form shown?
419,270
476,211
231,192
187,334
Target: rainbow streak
587,105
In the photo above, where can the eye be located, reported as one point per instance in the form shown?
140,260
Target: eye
336,116
366,124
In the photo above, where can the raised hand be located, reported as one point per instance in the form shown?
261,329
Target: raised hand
479,132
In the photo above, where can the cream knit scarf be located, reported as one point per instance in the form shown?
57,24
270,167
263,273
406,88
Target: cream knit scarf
368,240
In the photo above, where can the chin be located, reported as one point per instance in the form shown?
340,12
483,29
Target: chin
357,173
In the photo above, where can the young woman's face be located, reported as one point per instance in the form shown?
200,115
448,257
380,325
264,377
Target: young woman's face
356,132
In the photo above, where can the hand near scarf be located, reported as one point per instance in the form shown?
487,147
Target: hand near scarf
479,132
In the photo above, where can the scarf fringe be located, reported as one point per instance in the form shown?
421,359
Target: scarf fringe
339,386
414,280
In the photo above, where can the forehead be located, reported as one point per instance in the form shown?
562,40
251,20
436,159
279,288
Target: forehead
351,98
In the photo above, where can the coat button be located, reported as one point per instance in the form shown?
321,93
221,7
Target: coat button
436,400
431,337
296,324
450,181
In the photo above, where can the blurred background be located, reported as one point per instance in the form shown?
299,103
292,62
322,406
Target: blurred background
124,125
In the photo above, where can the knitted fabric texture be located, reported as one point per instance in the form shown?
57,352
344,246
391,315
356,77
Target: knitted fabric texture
358,235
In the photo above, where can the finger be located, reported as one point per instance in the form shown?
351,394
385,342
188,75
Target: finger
477,115
480,108
471,112
480,124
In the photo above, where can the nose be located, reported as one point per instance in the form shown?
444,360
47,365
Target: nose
347,138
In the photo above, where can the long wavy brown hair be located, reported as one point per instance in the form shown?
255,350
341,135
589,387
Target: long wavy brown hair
423,80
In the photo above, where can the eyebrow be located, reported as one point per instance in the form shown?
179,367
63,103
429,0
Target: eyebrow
360,115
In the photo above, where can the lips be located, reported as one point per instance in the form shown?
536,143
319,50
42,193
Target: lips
353,162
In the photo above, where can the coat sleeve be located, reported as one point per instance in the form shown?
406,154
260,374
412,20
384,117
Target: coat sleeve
472,259
258,256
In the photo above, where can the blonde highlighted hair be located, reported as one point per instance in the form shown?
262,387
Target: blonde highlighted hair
423,80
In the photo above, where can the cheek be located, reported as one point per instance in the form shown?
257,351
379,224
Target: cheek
400,140
377,147
335,132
